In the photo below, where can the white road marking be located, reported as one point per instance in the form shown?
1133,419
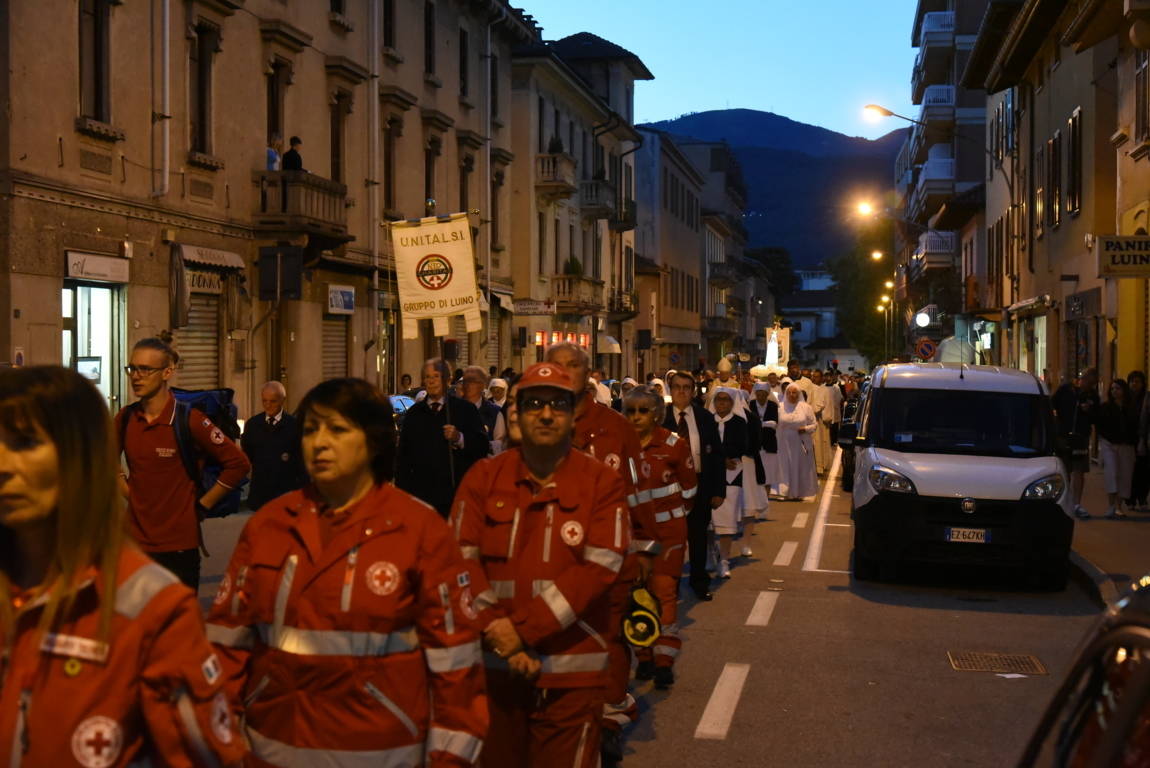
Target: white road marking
786,553
824,570
815,549
801,520
720,709
761,612
838,525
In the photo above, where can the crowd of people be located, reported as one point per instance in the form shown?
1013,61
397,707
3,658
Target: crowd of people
477,585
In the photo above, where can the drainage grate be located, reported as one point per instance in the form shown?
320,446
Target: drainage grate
975,661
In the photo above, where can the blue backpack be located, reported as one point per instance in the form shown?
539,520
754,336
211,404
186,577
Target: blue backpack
202,468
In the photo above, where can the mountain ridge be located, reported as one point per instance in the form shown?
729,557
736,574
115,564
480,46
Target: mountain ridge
802,180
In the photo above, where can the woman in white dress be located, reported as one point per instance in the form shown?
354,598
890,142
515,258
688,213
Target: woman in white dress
796,446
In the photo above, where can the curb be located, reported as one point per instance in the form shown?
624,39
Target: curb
1094,580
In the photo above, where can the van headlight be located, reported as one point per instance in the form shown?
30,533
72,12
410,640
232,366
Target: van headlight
1045,488
886,479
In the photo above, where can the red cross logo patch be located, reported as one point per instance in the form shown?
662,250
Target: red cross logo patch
613,461
382,578
224,589
222,718
572,533
96,742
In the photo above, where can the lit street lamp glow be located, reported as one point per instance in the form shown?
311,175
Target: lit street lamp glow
880,308
865,208
885,299
876,255
922,319
889,284
873,113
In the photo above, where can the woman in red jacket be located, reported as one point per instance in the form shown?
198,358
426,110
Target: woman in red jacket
345,616
103,657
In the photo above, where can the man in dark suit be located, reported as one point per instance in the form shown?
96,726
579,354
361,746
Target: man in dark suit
689,419
271,441
442,436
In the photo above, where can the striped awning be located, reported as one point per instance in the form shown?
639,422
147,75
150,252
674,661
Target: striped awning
210,257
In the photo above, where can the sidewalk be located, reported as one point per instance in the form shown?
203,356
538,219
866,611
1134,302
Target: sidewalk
1109,554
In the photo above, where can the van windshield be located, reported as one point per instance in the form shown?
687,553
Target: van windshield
973,423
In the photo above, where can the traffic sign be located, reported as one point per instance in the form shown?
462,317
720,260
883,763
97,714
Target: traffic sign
925,348
673,358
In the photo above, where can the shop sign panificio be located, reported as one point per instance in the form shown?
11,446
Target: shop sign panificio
533,307
1123,255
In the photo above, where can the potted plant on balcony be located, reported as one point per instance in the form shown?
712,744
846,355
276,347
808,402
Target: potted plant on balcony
573,267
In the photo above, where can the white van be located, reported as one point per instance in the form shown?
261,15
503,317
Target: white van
956,463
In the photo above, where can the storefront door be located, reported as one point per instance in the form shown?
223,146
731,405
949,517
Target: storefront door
93,338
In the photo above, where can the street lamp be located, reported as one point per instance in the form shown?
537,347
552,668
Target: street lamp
876,255
885,298
865,208
889,284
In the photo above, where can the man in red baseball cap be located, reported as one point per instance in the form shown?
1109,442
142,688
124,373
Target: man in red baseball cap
544,528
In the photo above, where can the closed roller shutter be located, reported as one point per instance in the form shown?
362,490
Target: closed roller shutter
334,356
199,344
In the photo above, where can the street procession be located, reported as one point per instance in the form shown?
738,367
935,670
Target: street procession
445,383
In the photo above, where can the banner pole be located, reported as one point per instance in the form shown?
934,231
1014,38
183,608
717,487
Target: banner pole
447,406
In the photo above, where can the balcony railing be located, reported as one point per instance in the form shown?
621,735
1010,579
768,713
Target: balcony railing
938,96
722,274
555,175
934,184
597,199
936,250
576,294
622,305
718,325
937,28
300,202
626,218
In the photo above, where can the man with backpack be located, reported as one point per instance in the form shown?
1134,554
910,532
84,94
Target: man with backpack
165,444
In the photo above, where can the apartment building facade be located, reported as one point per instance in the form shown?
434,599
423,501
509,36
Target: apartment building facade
1051,175
669,240
942,159
139,194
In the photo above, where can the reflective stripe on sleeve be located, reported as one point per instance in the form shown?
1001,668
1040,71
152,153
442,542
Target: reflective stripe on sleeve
278,753
666,650
690,492
504,589
463,745
440,660
328,642
138,589
559,606
207,756
639,545
232,637
665,491
574,662
484,600
638,497
608,558
672,439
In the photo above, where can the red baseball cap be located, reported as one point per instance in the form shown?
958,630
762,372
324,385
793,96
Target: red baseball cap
546,375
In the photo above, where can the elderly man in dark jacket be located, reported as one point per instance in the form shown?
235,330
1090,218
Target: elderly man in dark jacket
442,436
271,441
689,419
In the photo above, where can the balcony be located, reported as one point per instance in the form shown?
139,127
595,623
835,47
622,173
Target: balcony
625,219
575,294
555,176
936,250
597,199
291,203
623,305
718,326
904,170
936,48
934,186
722,274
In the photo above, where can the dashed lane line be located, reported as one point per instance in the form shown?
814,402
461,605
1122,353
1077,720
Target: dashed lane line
720,709
761,612
786,553
815,549
801,520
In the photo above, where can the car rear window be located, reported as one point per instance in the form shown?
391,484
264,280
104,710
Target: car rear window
973,423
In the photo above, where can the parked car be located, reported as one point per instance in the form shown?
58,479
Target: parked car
1100,715
955,463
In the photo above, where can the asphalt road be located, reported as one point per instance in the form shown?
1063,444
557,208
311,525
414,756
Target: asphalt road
833,672
849,673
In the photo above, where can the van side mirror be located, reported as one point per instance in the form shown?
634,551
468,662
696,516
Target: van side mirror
848,431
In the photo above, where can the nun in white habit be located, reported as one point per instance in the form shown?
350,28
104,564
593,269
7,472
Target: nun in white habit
733,514
796,446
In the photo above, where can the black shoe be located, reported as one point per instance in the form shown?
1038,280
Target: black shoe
664,678
611,748
703,593
645,670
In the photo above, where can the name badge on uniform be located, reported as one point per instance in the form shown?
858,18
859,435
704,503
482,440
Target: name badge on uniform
75,647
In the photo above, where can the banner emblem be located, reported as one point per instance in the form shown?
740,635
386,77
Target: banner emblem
433,272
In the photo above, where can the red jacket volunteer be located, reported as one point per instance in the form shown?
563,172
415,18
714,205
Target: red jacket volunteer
346,650
153,690
667,478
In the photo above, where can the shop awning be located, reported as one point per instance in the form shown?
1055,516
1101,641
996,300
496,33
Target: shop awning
210,257
505,298
1033,304
609,345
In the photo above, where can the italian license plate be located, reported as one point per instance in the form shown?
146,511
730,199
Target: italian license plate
968,535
